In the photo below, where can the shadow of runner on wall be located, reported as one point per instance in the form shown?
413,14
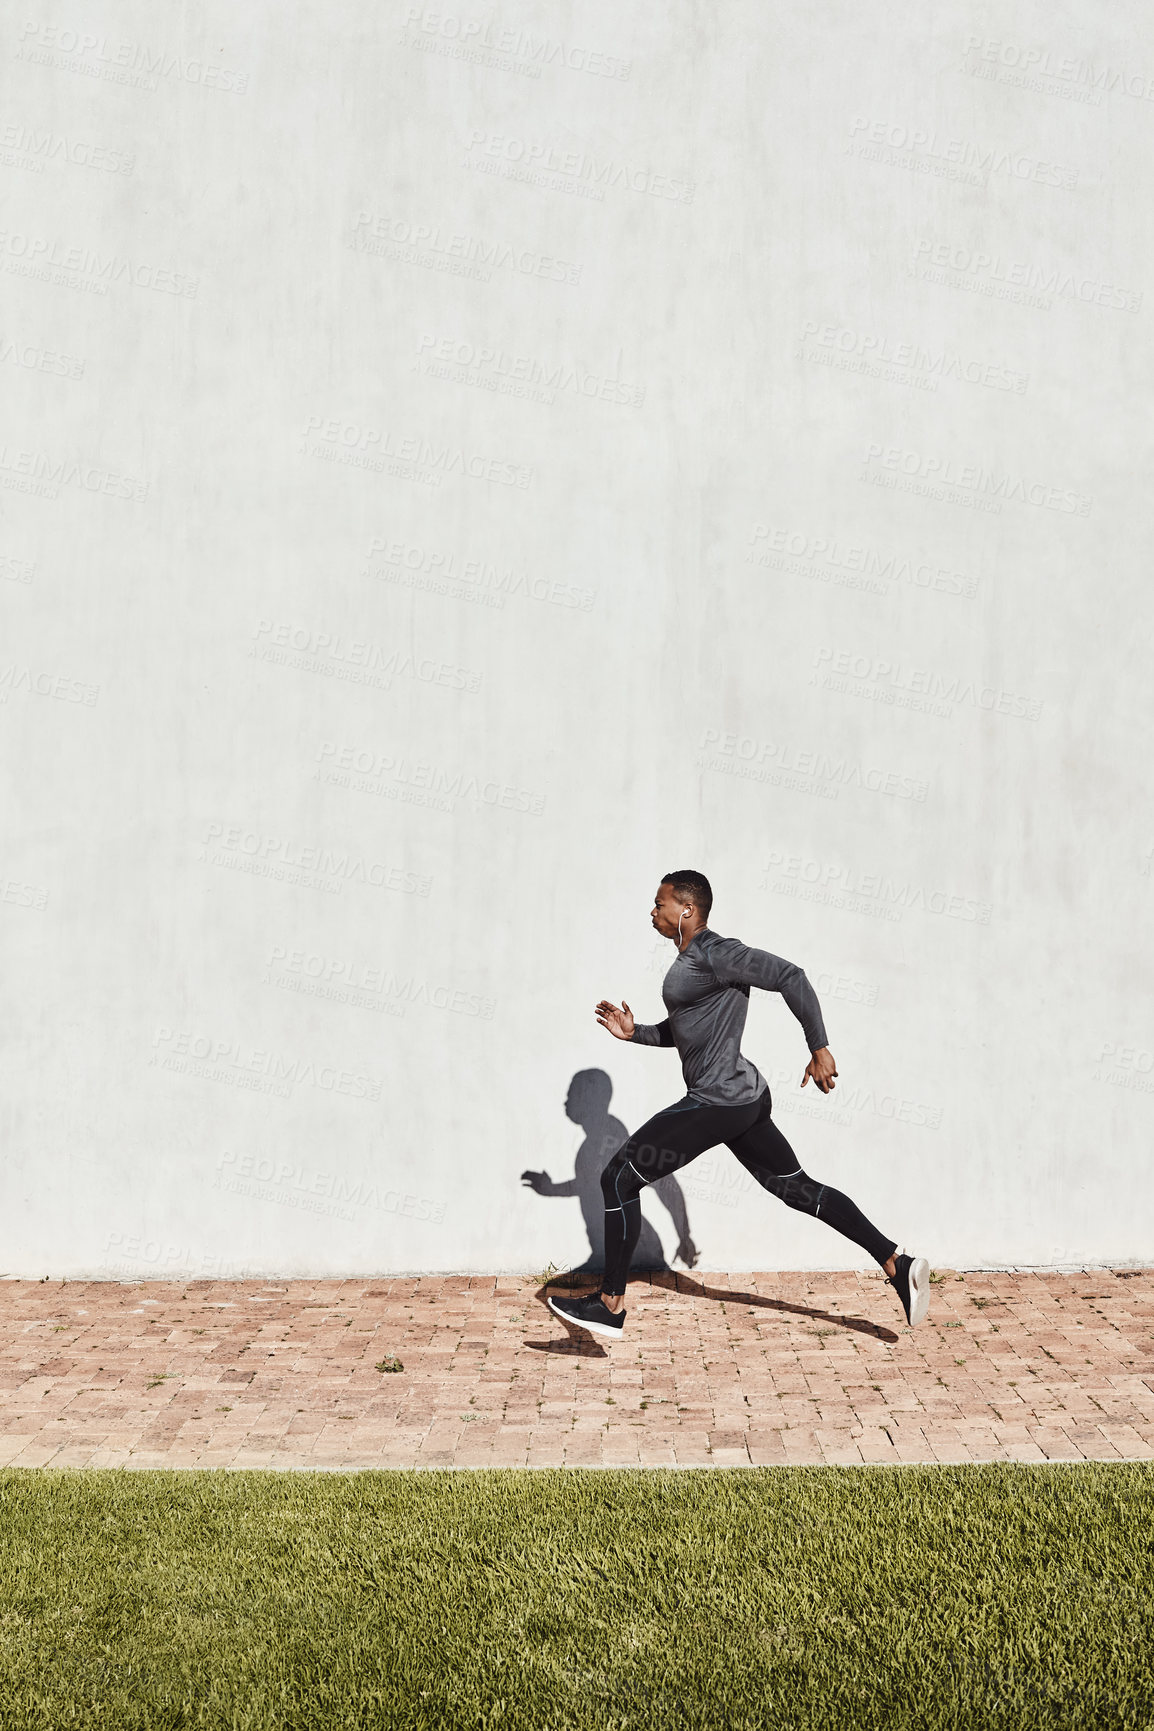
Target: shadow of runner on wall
587,1104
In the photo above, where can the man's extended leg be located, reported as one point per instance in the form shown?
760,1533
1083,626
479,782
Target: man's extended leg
665,1143
765,1153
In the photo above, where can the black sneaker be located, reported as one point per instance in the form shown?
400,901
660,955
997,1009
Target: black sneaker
592,1314
911,1282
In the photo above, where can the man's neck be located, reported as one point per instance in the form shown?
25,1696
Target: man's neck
688,937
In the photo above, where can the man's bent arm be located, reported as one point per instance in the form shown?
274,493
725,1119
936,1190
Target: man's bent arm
652,1033
738,964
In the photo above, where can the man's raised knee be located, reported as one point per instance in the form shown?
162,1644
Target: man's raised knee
620,1182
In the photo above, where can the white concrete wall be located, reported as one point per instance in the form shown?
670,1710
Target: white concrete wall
457,466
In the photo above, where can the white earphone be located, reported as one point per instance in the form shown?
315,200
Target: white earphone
684,911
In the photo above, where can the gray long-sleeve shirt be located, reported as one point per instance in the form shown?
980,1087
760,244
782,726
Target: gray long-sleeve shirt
706,992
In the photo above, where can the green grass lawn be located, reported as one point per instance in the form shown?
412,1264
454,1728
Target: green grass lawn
822,1597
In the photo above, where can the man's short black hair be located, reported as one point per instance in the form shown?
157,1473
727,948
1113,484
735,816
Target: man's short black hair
694,886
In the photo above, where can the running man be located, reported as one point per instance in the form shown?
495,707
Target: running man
706,993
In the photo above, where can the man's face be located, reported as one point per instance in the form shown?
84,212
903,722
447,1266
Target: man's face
667,910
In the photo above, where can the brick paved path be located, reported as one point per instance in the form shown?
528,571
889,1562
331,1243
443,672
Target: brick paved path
719,1370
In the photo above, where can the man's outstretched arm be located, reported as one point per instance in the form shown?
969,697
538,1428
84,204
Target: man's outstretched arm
738,964
652,1033
621,1025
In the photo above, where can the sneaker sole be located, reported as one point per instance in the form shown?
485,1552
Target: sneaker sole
603,1328
919,1290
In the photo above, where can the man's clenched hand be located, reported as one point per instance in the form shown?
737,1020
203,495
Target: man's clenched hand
822,1069
618,1021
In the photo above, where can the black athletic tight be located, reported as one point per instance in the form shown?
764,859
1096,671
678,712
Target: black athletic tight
678,1135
